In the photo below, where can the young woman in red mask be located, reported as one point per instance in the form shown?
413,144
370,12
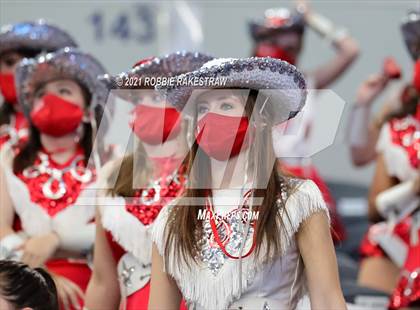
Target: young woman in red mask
364,130
280,35
139,186
391,248
18,41
48,181
243,235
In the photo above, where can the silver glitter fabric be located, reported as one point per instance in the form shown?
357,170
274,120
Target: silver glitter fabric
67,63
211,254
166,66
411,32
35,35
282,83
276,20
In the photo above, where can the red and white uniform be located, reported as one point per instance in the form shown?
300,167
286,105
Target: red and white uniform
52,197
128,223
399,144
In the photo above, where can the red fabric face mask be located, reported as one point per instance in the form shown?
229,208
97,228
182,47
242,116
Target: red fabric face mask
222,137
155,125
8,88
416,77
56,116
274,51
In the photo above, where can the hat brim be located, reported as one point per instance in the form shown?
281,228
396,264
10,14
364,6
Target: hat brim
167,66
280,82
64,64
38,36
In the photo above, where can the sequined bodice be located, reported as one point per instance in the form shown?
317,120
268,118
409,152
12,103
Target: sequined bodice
405,133
54,187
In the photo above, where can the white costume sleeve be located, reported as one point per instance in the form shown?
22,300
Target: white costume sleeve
78,239
304,201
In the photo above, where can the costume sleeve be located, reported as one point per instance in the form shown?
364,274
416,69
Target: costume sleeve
383,139
159,228
304,201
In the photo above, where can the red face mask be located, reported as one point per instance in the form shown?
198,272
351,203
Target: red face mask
56,116
155,125
8,88
416,77
274,51
222,137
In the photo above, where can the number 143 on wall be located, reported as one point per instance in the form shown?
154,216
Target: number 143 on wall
136,24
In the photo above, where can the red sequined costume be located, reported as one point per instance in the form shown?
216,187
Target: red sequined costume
48,196
14,133
399,143
128,223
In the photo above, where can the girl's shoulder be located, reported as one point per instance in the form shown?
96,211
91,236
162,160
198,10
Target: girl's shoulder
303,200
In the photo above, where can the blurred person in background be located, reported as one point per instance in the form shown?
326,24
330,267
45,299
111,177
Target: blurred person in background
391,248
22,287
280,35
145,182
18,41
48,180
364,130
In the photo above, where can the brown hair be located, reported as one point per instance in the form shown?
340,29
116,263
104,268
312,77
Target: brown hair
125,178
410,99
29,150
183,224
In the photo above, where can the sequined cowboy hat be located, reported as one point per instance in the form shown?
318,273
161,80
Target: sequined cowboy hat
167,66
68,63
411,32
35,35
277,20
280,82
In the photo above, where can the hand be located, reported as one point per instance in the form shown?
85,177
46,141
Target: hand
370,89
37,250
68,292
303,7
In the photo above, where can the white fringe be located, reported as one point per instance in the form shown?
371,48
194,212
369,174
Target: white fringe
197,284
305,200
127,230
36,220
200,287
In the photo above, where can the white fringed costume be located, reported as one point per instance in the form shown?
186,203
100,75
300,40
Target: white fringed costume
213,283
